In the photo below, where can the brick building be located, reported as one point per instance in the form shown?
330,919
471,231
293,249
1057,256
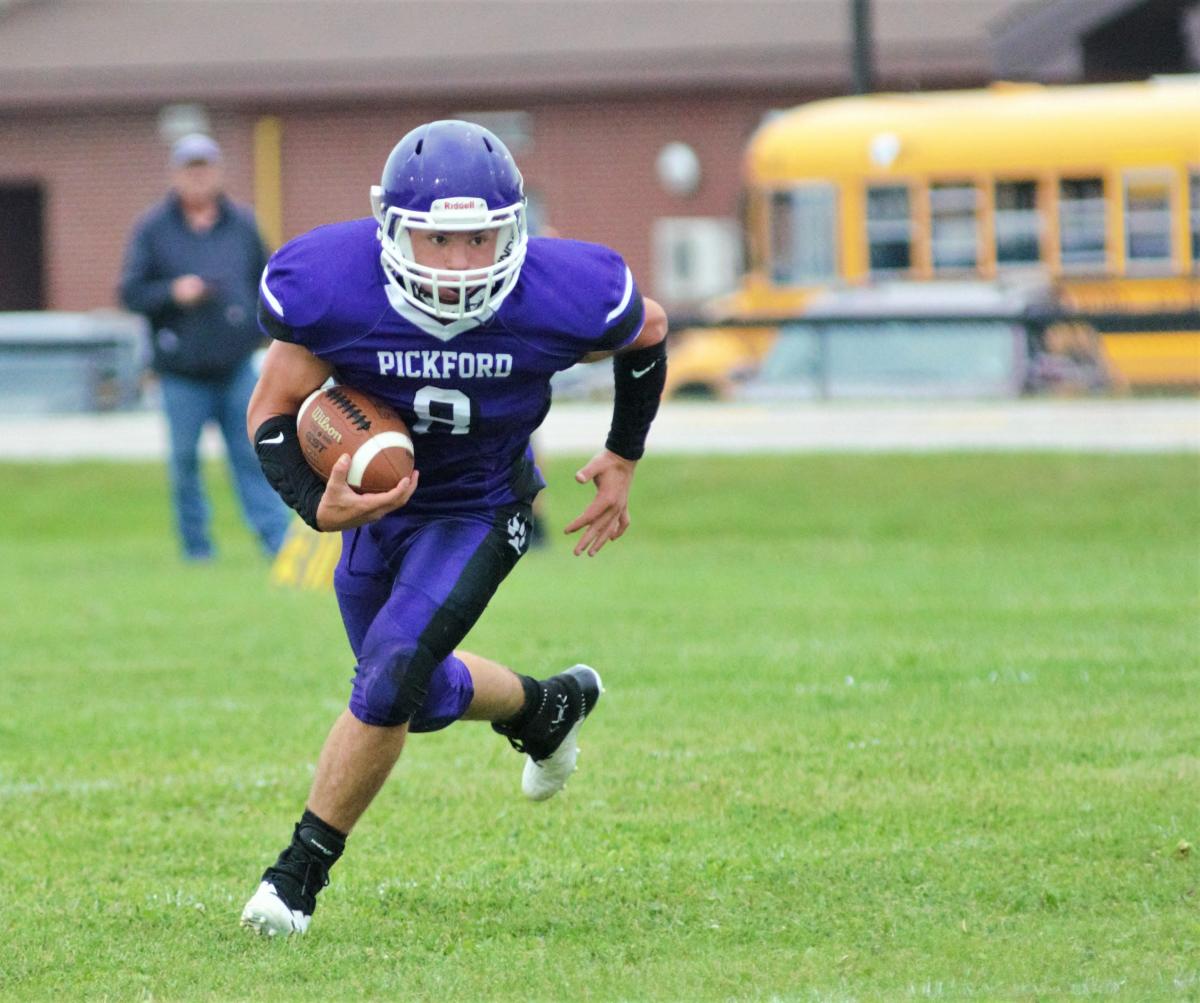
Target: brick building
628,117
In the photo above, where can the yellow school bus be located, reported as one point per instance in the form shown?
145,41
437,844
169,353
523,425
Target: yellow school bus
1093,190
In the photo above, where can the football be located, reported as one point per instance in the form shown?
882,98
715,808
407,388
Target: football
336,420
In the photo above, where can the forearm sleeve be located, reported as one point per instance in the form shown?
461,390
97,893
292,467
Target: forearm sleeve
640,377
287,471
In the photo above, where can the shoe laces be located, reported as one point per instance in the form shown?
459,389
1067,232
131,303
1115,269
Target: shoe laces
314,866
308,872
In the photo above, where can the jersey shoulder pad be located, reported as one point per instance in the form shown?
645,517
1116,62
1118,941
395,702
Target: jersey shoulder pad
306,278
590,288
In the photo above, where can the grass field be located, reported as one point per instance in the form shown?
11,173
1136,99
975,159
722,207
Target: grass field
877,728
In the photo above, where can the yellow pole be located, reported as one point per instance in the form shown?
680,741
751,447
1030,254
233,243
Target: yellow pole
268,178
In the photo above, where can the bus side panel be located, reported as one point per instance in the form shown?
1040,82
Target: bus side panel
1157,359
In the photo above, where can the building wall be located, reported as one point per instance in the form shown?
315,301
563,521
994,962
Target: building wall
592,164
99,172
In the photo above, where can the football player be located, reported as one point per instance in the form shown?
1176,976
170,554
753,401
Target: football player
443,307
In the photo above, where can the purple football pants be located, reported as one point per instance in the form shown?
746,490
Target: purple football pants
410,587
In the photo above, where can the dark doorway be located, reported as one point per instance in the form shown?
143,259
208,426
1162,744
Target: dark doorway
22,278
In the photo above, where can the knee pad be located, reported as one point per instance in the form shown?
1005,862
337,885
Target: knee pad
391,681
404,682
450,693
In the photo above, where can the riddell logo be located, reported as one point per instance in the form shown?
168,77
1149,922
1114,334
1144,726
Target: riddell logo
459,204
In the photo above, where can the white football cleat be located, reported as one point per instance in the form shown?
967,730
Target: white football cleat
267,914
545,777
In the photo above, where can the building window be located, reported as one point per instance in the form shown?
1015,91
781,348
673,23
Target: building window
1081,222
889,230
1194,202
803,245
1147,220
953,226
1018,226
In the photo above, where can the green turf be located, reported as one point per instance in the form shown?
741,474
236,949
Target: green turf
877,728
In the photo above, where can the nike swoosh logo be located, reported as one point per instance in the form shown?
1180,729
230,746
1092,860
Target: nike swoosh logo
637,374
275,440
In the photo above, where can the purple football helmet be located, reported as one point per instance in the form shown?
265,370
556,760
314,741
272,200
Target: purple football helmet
451,176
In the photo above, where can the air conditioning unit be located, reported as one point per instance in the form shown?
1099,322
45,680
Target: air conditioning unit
695,258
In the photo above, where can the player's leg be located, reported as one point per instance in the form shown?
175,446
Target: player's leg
449,569
286,895
356,757
540,718
403,631
498,692
262,507
407,674
188,405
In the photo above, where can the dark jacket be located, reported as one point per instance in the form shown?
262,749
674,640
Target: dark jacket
212,338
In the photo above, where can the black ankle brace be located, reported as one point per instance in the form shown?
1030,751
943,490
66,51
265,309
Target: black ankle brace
302,869
319,838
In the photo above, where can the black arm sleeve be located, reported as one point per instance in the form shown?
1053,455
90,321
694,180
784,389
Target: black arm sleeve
279,454
640,376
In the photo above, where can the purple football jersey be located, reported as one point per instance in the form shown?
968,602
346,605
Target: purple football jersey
472,391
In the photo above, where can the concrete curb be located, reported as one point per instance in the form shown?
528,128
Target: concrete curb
1157,425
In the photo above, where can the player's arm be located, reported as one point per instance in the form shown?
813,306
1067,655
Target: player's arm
289,374
640,372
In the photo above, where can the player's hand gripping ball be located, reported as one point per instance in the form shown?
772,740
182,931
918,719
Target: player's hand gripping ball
341,420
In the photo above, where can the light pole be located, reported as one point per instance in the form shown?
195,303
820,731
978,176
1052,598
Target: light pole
862,54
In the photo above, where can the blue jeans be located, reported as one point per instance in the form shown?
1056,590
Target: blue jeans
189,405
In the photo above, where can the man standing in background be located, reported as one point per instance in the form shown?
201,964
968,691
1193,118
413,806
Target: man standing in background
192,269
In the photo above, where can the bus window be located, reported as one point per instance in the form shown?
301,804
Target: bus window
1081,222
952,208
1147,220
1194,202
889,230
1017,226
803,241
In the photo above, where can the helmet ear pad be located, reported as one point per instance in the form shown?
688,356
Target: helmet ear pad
451,176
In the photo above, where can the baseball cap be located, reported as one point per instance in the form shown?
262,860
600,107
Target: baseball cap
193,148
